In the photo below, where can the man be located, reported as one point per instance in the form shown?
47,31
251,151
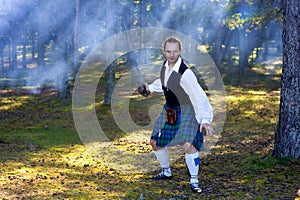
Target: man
186,113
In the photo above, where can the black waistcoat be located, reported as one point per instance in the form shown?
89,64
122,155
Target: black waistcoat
174,93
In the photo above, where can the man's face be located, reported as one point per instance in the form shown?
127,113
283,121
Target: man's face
172,52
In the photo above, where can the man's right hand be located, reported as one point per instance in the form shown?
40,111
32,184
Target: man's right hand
144,89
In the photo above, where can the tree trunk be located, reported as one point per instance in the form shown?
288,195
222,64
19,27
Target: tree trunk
76,38
32,46
63,79
24,51
110,72
41,49
76,63
2,61
109,83
2,46
14,59
63,87
287,137
243,58
218,51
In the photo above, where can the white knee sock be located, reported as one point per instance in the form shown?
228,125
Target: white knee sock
193,163
162,156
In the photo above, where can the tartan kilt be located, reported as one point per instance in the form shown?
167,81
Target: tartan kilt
186,129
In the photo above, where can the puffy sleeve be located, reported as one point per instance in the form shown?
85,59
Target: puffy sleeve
156,86
200,102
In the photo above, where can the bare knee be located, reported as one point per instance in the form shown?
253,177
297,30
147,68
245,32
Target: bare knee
189,148
153,144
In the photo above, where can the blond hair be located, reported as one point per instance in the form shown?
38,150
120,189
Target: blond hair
172,39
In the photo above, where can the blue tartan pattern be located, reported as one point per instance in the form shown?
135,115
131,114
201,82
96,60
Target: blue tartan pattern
186,129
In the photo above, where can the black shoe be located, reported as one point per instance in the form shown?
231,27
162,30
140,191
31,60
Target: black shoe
196,188
162,175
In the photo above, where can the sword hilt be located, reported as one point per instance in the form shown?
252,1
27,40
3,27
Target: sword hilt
143,90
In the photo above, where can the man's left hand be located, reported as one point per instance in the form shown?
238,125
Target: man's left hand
209,130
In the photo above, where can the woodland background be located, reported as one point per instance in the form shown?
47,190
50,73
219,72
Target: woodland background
42,46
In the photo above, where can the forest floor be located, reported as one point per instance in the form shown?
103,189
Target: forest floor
42,156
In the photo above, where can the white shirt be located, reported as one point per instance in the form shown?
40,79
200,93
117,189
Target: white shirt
188,81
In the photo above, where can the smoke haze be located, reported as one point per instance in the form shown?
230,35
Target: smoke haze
50,24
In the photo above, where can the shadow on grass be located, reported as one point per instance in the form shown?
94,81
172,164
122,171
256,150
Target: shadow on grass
255,78
42,155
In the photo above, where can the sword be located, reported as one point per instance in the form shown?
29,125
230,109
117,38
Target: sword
134,59
142,88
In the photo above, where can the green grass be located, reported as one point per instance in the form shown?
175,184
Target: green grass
42,156
40,138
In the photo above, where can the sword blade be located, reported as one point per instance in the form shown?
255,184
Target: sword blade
133,56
